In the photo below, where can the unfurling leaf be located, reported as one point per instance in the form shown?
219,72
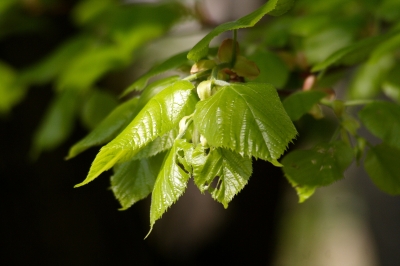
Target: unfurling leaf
382,165
231,169
134,180
321,166
383,120
171,181
246,118
161,114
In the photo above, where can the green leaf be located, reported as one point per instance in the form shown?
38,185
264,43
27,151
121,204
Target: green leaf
388,47
154,88
56,62
232,170
11,92
161,114
369,77
321,166
57,123
247,118
108,129
158,145
354,53
96,107
170,184
6,4
272,7
134,180
382,165
299,103
303,192
383,120
171,63
272,68
391,85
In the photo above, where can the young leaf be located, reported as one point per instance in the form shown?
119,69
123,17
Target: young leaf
171,63
382,165
57,123
383,120
299,103
161,114
134,180
108,129
272,7
247,118
234,173
321,166
171,182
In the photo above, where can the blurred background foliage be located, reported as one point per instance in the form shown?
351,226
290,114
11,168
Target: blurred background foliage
66,61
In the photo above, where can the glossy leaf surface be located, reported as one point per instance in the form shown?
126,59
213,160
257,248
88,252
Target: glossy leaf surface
321,166
382,165
247,118
161,114
272,7
383,120
299,103
108,129
171,182
134,180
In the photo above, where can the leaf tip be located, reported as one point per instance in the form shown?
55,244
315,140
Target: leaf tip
151,229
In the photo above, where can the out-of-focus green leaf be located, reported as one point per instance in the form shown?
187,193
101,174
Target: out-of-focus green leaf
108,129
89,66
96,107
134,180
247,118
389,10
388,47
161,114
6,4
319,46
367,82
272,68
57,123
272,7
354,53
171,182
383,120
11,92
391,85
299,103
382,165
171,63
85,11
52,65
232,170
321,166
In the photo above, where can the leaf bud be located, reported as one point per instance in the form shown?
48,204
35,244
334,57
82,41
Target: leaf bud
203,141
246,68
204,89
225,51
202,65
